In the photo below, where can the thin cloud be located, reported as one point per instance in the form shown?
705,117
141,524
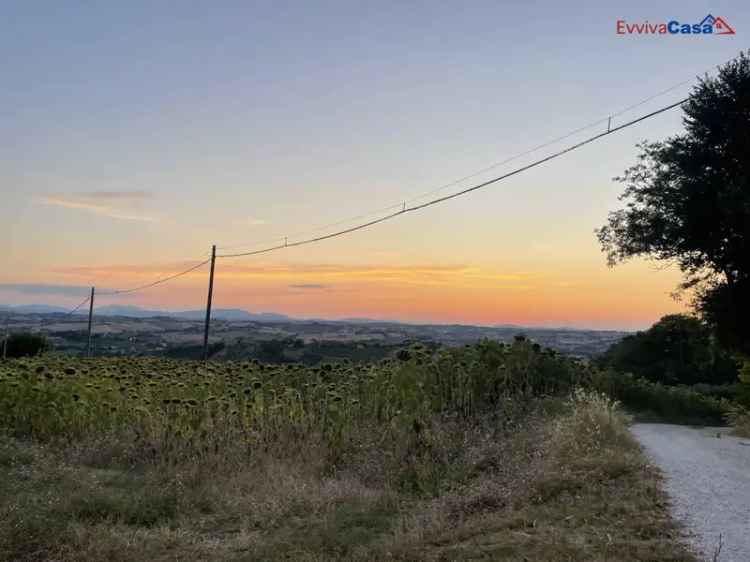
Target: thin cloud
114,195
130,270
319,277
113,204
43,289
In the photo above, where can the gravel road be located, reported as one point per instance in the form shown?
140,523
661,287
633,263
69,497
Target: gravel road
708,481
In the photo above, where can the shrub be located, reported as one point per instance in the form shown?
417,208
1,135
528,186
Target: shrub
739,419
25,345
677,404
593,421
678,349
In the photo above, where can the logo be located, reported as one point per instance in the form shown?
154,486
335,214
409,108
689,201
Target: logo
708,26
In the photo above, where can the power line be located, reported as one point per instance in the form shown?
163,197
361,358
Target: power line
157,282
551,142
406,209
403,208
548,158
318,228
87,299
478,172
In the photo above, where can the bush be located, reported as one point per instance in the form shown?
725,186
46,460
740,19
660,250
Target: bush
678,404
25,345
739,419
592,422
678,349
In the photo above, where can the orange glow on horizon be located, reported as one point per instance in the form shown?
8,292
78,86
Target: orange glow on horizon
466,294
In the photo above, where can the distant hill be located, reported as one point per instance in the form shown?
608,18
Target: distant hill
34,309
232,315
366,321
130,311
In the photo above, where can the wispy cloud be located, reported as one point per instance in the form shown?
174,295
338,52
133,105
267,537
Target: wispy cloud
122,205
114,195
317,277
42,289
309,286
122,269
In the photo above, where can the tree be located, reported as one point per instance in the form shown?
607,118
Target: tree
25,345
678,349
688,202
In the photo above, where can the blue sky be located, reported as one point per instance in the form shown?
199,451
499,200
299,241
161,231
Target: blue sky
140,133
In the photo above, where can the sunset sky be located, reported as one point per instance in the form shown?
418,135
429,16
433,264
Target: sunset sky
133,135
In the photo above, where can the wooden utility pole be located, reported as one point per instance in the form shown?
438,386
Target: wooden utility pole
208,305
91,315
5,340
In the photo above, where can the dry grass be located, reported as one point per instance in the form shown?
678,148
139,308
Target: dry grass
564,481
739,419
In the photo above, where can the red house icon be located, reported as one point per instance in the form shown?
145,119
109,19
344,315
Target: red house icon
722,27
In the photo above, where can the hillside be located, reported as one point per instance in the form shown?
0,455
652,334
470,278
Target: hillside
488,452
144,332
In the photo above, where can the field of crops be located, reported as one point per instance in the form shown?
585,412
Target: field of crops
404,459
58,395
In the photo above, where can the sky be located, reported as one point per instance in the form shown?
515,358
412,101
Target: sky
134,135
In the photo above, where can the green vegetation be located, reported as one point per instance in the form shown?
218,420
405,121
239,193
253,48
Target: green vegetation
24,345
654,401
688,202
738,415
739,418
295,350
675,371
678,349
194,351
485,452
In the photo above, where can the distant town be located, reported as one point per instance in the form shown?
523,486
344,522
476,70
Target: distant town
238,334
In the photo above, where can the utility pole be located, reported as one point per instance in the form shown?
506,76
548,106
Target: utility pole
208,305
5,341
91,314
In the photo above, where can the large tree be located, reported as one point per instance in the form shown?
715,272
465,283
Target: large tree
687,201
678,349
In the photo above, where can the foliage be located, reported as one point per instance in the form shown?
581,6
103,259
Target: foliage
743,395
194,351
61,395
177,407
678,349
594,420
677,404
272,351
25,345
739,419
725,307
730,392
407,459
688,202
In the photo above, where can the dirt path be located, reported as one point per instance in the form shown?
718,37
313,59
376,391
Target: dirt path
708,480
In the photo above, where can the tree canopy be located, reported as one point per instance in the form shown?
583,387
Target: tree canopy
25,345
678,349
687,201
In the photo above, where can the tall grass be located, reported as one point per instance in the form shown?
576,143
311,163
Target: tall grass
127,458
738,418
650,400
191,406
56,395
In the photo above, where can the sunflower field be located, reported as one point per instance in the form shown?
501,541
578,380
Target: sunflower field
157,459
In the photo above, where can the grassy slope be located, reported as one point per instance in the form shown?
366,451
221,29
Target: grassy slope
567,482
